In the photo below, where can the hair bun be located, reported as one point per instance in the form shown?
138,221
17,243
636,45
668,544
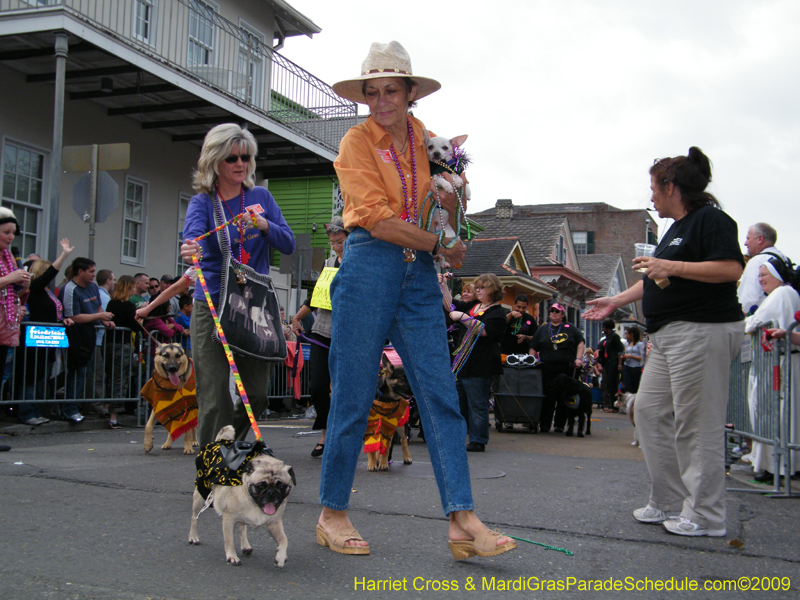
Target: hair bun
700,160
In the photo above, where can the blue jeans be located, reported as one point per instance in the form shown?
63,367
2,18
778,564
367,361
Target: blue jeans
375,296
475,391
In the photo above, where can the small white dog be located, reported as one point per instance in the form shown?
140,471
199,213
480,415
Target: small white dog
626,404
446,156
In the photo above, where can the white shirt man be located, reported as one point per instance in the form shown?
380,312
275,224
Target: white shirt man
760,244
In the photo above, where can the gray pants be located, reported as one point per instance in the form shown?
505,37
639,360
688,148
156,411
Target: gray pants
215,407
680,417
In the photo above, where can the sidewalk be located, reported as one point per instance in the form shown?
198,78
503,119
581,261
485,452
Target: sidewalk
87,514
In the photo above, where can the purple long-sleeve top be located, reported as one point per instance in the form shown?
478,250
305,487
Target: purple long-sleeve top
200,219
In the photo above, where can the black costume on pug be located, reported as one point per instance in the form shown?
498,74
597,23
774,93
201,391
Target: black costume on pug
246,485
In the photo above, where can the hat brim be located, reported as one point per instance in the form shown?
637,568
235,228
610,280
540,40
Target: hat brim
351,89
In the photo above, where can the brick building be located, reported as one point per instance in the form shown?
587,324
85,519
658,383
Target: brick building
596,228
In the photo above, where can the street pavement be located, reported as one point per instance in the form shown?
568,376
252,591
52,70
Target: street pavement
86,514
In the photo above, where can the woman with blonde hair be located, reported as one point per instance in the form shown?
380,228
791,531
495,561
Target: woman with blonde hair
224,181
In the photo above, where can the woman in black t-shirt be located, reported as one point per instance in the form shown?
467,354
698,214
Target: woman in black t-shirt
474,380
34,366
119,350
694,321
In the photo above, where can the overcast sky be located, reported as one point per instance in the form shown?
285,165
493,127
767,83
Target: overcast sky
570,101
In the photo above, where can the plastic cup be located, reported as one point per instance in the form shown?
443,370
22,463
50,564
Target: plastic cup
643,250
648,250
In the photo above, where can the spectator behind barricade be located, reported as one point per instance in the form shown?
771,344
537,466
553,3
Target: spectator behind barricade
163,285
82,305
320,339
694,319
14,284
105,281
120,354
181,284
184,319
467,293
560,346
160,322
34,367
633,360
760,243
287,329
140,291
59,291
474,382
520,327
779,307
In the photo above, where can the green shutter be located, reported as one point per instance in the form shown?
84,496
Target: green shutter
304,202
590,242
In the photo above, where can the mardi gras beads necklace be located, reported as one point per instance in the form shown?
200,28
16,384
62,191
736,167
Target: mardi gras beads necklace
10,299
410,254
244,256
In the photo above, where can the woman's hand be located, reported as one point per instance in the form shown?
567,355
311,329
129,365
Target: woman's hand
260,223
67,321
600,309
18,277
297,326
188,248
776,334
142,312
658,268
65,247
455,254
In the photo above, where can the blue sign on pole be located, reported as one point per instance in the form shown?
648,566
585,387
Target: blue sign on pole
42,336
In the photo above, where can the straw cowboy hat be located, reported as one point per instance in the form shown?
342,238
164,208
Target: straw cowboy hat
384,60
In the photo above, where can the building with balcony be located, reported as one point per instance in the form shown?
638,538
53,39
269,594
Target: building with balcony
157,75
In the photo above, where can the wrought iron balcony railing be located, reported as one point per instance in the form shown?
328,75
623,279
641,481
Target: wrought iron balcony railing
193,39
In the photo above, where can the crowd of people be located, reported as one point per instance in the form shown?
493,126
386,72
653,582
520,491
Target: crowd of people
97,313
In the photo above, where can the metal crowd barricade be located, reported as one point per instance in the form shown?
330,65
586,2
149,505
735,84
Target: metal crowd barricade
40,374
789,374
117,371
767,419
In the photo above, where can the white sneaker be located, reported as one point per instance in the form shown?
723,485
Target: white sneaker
648,514
747,458
684,526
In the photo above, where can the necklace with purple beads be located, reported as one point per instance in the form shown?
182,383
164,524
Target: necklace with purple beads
410,254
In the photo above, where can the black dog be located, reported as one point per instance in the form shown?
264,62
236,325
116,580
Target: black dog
575,398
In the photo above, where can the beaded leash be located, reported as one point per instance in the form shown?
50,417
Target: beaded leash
237,378
231,221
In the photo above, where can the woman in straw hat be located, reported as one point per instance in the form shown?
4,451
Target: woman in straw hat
384,175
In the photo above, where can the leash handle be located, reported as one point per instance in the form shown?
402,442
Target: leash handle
228,354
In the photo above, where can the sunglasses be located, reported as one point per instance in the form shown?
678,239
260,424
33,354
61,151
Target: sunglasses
231,160
552,310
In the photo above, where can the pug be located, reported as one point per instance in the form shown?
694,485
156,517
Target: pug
266,483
